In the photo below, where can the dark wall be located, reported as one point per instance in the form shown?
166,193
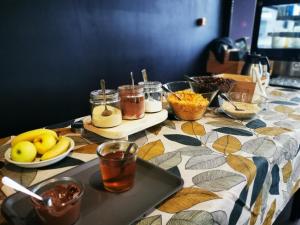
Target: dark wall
242,19
54,52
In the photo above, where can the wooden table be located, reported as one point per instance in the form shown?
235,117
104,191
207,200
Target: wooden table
235,172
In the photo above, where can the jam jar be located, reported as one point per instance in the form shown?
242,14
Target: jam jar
153,96
113,117
132,101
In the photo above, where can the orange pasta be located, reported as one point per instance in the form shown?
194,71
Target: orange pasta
192,106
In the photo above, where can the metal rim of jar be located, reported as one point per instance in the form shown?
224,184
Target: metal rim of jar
131,90
151,86
96,96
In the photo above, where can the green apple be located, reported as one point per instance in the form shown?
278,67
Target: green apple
23,151
44,143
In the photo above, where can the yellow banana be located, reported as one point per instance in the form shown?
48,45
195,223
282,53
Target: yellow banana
31,135
61,146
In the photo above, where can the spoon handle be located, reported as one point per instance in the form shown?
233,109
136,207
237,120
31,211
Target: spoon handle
102,83
11,183
144,73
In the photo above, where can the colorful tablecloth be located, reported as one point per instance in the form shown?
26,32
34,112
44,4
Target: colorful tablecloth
234,172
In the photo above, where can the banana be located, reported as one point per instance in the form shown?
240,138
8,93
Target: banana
31,135
61,146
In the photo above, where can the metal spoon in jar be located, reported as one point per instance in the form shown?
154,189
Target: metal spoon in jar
11,183
106,111
168,90
145,79
228,100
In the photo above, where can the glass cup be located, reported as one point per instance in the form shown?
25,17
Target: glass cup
66,194
117,169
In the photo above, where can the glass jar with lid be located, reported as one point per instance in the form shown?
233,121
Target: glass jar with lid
113,117
153,96
132,101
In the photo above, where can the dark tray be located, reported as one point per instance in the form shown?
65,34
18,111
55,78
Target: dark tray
152,186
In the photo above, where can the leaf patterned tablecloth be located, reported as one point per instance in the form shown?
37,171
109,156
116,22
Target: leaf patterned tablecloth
234,172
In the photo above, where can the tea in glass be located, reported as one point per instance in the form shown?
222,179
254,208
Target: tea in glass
117,167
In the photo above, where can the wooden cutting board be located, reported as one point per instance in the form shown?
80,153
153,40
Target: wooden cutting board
127,127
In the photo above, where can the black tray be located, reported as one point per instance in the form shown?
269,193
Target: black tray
152,186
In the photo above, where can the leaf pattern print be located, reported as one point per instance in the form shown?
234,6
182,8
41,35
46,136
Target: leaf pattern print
195,217
217,180
238,207
167,160
271,131
287,171
257,123
296,172
256,209
87,149
219,217
277,93
274,189
186,198
155,129
183,139
284,103
242,165
288,124
20,175
262,167
284,109
227,144
265,195
294,116
205,162
225,123
296,99
275,116
152,220
4,140
270,214
195,150
289,146
170,124
234,131
193,128
209,137
262,146
151,150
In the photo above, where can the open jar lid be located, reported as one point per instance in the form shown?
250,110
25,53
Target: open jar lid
97,95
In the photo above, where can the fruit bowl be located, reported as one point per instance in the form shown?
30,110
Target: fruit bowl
193,101
37,163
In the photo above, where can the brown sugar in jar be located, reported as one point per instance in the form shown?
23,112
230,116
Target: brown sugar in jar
132,101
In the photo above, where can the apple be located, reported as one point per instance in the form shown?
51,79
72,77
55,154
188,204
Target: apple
24,151
44,142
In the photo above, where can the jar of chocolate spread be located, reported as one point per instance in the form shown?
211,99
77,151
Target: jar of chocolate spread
132,101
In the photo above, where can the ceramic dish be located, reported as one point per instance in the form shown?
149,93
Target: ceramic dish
37,163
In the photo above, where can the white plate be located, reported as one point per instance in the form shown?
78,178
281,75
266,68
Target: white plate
37,163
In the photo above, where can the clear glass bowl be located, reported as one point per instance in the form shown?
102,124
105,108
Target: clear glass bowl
65,211
243,102
185,109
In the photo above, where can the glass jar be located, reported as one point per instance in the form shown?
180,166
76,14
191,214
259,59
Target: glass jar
104,120
153,96
132,101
